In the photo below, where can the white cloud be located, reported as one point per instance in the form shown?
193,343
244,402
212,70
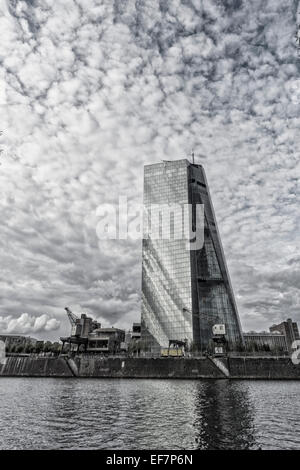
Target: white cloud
94,90
25,324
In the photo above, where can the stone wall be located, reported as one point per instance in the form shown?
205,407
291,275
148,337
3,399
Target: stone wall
263,368
32,366
147,368
185,368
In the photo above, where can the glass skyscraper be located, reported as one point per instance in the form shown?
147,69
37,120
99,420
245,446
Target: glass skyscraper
184,292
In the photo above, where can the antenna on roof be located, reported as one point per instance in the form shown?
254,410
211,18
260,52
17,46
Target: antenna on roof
193,156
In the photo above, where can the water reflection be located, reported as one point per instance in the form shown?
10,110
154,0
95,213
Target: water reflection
224,416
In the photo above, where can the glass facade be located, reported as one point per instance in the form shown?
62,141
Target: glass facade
166,268
184,293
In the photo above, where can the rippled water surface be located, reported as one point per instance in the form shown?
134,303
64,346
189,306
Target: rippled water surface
148,414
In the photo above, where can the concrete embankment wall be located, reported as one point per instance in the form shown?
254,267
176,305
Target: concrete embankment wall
148,368
263,368
30,366
185,368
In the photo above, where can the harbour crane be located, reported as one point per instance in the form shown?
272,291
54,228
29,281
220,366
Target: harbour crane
72,317
73,320
77,325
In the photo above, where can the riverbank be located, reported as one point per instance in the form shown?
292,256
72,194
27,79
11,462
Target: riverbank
125,367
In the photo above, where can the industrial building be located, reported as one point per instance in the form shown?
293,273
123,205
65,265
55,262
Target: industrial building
105,340
88,336
80,329
136,331
265,342
184,291
289,328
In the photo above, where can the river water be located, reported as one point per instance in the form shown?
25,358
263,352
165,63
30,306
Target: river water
148,414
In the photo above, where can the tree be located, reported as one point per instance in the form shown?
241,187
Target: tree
47,346
39,346
19,349
28,348
56,347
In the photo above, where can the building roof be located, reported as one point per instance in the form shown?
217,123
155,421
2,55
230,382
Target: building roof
263,333
107,330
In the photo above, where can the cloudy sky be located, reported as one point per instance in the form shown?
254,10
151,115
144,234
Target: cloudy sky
91,90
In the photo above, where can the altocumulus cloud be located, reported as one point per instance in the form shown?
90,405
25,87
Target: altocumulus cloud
94,89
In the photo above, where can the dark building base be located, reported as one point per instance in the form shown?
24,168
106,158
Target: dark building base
148,368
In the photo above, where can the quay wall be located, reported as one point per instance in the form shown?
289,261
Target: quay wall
148,368
263,368
163,368
33,366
